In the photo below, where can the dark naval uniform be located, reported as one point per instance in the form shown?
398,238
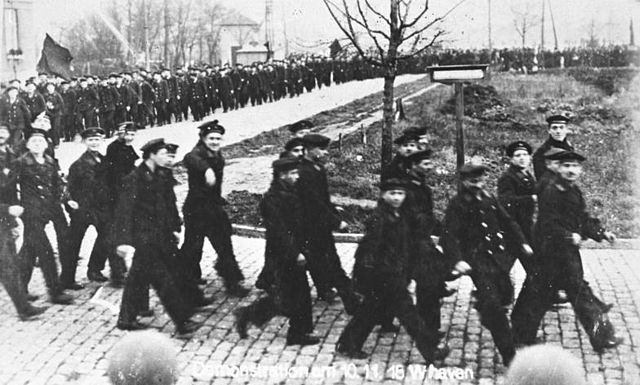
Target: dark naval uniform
321,218
381,272
515,189
204,216
539,165
10,275
477,231
41,195
146,218
286,284
121,159
429,267
562,212
89,187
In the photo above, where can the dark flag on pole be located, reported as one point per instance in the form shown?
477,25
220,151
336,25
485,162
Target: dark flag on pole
55,59
334,48
632,39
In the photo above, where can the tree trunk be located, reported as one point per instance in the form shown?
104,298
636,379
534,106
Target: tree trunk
387,118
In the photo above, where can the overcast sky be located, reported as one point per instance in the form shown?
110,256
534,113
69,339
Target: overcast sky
308,21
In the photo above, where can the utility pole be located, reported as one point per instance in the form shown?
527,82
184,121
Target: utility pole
286,39
129,18
553,24
166,32
489,27
268,26
145,27
542,28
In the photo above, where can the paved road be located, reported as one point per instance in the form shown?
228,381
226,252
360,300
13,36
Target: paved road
250,121
71,344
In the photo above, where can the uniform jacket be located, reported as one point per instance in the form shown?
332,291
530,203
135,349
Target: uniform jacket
396,169
515,188
281,211
36,104
54,104
41,188
201,196
69,99
562,211
88,185
384,249
16,115
479,230
146,212
539,165
87,99
320,215
8,195
121,160
161,89
109,98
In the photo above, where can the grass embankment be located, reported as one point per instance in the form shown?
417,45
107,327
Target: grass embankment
601,129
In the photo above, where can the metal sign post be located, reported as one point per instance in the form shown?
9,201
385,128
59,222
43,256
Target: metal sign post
458,75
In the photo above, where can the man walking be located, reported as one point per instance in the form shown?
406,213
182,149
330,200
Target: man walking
204,215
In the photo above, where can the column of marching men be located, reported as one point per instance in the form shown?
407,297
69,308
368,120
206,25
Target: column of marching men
399,271
162,97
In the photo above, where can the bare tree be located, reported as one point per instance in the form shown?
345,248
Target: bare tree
403,30
524,19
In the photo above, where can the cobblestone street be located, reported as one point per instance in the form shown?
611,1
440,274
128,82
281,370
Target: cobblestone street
71,344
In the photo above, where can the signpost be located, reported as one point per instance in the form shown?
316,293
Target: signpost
457,75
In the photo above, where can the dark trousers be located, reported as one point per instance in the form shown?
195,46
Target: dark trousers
88,118
430,273
537,295
10,276
103,249
389,293
324,265
186,285
69,123
149,267
494,292
37,246
56,130
107,122
214,225
196,110
291,299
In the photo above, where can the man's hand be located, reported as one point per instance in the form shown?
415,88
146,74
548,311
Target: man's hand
301,260
462,267
73,204
176,237
527,249
125,251
609,236
210,177
576,239
534,198
343,225
15,211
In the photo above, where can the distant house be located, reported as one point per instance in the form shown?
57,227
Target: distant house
251,52
236,31
18,47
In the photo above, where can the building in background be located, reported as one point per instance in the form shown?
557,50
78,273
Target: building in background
236,31
18,45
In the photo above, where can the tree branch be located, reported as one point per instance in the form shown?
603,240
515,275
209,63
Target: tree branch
418,52
417,19
371,32
350,33
375,11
